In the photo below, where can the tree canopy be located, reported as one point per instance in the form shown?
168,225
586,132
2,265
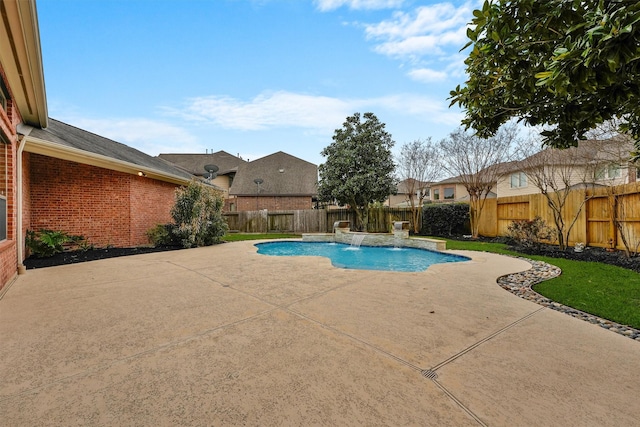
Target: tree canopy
359,167
565,64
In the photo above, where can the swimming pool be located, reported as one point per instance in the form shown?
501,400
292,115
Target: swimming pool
363,257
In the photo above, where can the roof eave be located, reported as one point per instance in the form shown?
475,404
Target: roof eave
51,149
21,56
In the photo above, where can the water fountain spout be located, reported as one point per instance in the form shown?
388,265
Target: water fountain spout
356,240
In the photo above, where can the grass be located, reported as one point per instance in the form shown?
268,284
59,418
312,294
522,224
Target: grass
604,290
236,237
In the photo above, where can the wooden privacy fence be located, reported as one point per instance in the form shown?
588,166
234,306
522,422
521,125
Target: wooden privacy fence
264,221
312,220
596,212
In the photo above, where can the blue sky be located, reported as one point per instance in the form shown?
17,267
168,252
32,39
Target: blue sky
251,77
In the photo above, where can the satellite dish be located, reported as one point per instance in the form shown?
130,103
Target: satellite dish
211,170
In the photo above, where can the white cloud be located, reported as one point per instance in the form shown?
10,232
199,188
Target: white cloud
453,67
429,30
315,113
149,136
269,110
326,5
426,75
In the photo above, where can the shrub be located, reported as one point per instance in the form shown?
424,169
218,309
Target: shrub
162,235
445,219
529,233
46,243
197,214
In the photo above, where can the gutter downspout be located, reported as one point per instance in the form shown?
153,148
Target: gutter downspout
22,139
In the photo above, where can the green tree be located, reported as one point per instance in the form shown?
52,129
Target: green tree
198,215
566,64
359,167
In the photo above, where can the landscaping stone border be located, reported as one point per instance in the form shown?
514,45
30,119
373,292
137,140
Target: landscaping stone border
521,283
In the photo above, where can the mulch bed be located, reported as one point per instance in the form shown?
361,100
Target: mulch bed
72,257
589,253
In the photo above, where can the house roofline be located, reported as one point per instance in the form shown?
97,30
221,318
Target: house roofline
51,149
21,56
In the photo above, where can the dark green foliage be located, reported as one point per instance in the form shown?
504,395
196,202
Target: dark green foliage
163,235
359,167
46,243
530,233
568,64
445,219
197,214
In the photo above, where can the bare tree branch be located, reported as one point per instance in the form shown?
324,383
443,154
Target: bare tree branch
418,165
477,163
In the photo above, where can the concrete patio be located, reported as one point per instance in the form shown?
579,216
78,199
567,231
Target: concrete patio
225,336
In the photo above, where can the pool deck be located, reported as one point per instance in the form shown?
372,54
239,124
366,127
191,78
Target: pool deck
225,336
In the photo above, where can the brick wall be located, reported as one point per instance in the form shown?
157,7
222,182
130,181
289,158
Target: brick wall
106,207
151,203
272,203
9,119
8,261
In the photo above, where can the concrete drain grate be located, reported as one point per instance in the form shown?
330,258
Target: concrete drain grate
429,374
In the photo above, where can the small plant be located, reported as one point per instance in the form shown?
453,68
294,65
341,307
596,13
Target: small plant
46,243
529,233
80,243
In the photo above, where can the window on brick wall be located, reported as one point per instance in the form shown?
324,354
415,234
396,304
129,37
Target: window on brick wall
4,96
4,165
4,180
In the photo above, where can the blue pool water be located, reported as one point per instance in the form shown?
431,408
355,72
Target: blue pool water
362,258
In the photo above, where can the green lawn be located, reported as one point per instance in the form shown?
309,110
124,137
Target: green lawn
604,290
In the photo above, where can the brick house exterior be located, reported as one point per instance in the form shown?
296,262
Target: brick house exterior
107,207
85,184
59,177
22,100
272,203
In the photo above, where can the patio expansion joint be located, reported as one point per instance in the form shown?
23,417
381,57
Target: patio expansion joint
429,374
485,339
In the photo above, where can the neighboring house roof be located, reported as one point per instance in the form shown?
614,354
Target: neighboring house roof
63,141
452,180
281,173
21,57
411,185
195,163
615,150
